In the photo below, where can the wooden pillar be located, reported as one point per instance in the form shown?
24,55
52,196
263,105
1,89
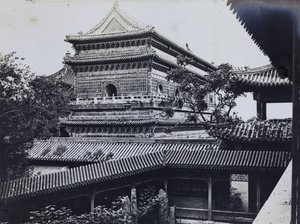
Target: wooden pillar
296,131
166,190
209,197
133,199
261,108
258,194
172,215
92,200
166,185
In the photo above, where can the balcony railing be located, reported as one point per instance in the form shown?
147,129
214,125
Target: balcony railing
217,215
118,99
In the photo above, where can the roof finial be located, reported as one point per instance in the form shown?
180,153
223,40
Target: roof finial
116,4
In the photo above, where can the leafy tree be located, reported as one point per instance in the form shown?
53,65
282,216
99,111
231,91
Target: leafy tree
194,91
152,208
30,108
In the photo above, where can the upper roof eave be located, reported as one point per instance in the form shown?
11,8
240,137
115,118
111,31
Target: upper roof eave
83,38
261,18
206,66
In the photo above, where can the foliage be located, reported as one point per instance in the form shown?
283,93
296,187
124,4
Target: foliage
147,205
60,150
195,90
117,214
235,202
30,108
152,208
50,214
101,214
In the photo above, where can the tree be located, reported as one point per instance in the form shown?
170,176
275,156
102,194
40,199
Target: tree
30,108
194,91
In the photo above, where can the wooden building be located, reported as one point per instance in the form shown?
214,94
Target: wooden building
266,86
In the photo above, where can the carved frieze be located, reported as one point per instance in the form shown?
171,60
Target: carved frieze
112,44
112,66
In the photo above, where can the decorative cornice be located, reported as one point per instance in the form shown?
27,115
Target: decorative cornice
276,130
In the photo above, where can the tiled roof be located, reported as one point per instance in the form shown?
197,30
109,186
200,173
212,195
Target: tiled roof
117,14
91,151
255,131
66,74
126,23
83,60
123,167
227,159
80,176
265,76
85,38
109,122
260,20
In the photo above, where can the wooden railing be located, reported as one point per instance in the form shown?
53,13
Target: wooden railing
217,215
233,217
118,99
191,213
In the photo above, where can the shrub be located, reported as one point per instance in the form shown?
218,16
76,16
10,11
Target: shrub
60,150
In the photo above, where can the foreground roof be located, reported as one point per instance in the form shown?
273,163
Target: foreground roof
270,25
206,159
276,130
265,76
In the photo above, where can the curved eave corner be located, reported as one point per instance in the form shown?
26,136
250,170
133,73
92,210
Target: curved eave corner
206,66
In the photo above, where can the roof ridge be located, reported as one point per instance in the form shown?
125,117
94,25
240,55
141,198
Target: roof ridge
255,69
124,16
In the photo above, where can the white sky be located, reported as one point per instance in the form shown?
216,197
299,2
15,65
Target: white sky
36,31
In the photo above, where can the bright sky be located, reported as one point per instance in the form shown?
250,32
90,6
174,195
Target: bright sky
36,31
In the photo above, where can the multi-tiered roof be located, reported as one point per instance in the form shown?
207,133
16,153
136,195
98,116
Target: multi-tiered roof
119,26
121,67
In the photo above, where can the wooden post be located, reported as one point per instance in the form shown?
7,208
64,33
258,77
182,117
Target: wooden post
133,199
209,197
296,130
166,190
166,185
92,200
172,215
261,108
258,194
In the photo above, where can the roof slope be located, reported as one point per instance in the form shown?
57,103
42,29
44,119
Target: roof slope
123,167
270,25
66,74
93,151
115,22
265,76
275,130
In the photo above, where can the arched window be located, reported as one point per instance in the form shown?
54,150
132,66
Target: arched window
111,90
160,89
